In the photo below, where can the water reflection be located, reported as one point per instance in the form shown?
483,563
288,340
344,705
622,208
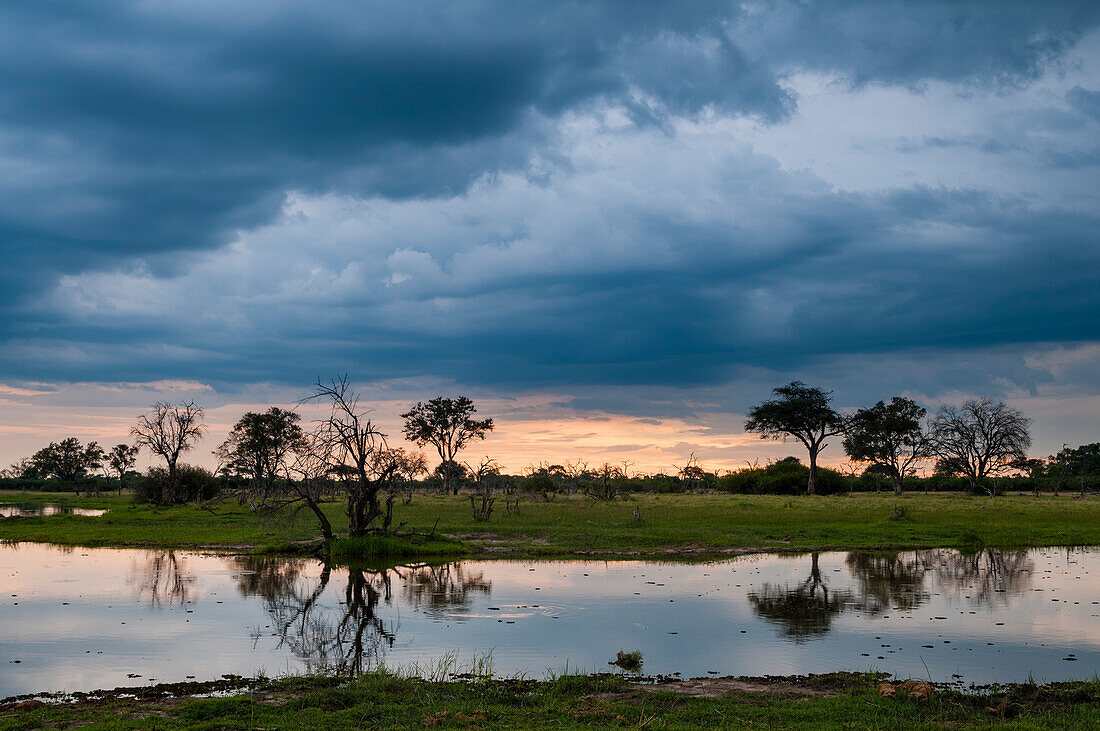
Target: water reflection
892,582
352,637
162,579
103,617
803,610
445,590
33,510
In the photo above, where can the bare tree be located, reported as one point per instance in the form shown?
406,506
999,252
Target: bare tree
608,482
355,444
981,439
169,430
574,472
692,473
483,476
410,465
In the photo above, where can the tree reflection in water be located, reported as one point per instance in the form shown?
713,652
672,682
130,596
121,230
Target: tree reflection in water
350,637
164,578
984,577
891,581
445,589
888,581
803,611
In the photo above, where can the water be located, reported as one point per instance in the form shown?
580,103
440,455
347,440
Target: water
79,619
32,510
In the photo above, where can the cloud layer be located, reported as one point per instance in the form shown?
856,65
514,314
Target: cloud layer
551,197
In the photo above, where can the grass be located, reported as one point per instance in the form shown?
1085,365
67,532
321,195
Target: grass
393,700
675,525
392,547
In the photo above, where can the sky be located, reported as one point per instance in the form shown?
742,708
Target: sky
616,225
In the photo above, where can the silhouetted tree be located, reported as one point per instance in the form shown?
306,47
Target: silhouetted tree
259,447
121,459
1080,461
67,460
309,477
410,465
448,425
606,482
352,442
980,439
890,437
692,473
450,476
483,476
798,411
169,430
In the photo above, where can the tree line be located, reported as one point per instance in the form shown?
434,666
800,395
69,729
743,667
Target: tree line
271,462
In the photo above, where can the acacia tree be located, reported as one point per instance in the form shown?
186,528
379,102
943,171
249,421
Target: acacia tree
981,439
259,446
448,425
890,437
121,459
358,449
169,430
798,411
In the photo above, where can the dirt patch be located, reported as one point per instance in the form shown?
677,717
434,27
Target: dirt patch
721,687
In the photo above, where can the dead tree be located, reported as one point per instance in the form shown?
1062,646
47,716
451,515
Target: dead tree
484,475
168,430
356,444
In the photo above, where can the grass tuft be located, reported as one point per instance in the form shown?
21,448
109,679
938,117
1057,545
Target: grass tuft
367,548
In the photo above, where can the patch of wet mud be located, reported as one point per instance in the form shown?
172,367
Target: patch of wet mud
225,685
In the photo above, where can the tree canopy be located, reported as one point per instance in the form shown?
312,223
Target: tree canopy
890,437
799,411
169,430
67,460
446,423
980,439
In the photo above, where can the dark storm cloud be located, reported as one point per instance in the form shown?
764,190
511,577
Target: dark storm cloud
152,128
141,138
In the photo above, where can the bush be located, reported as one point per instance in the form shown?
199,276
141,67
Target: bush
191,484
539,485
34,484
386,547
785,477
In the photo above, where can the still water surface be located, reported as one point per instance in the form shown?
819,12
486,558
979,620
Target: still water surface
31,510
79,619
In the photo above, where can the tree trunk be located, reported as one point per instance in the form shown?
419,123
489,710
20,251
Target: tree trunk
896,479
811,483
326,527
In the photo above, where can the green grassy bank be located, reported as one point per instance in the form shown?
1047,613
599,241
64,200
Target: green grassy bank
670,525
383,700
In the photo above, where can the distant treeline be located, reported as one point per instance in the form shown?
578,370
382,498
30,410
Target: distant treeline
270,463
783,477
